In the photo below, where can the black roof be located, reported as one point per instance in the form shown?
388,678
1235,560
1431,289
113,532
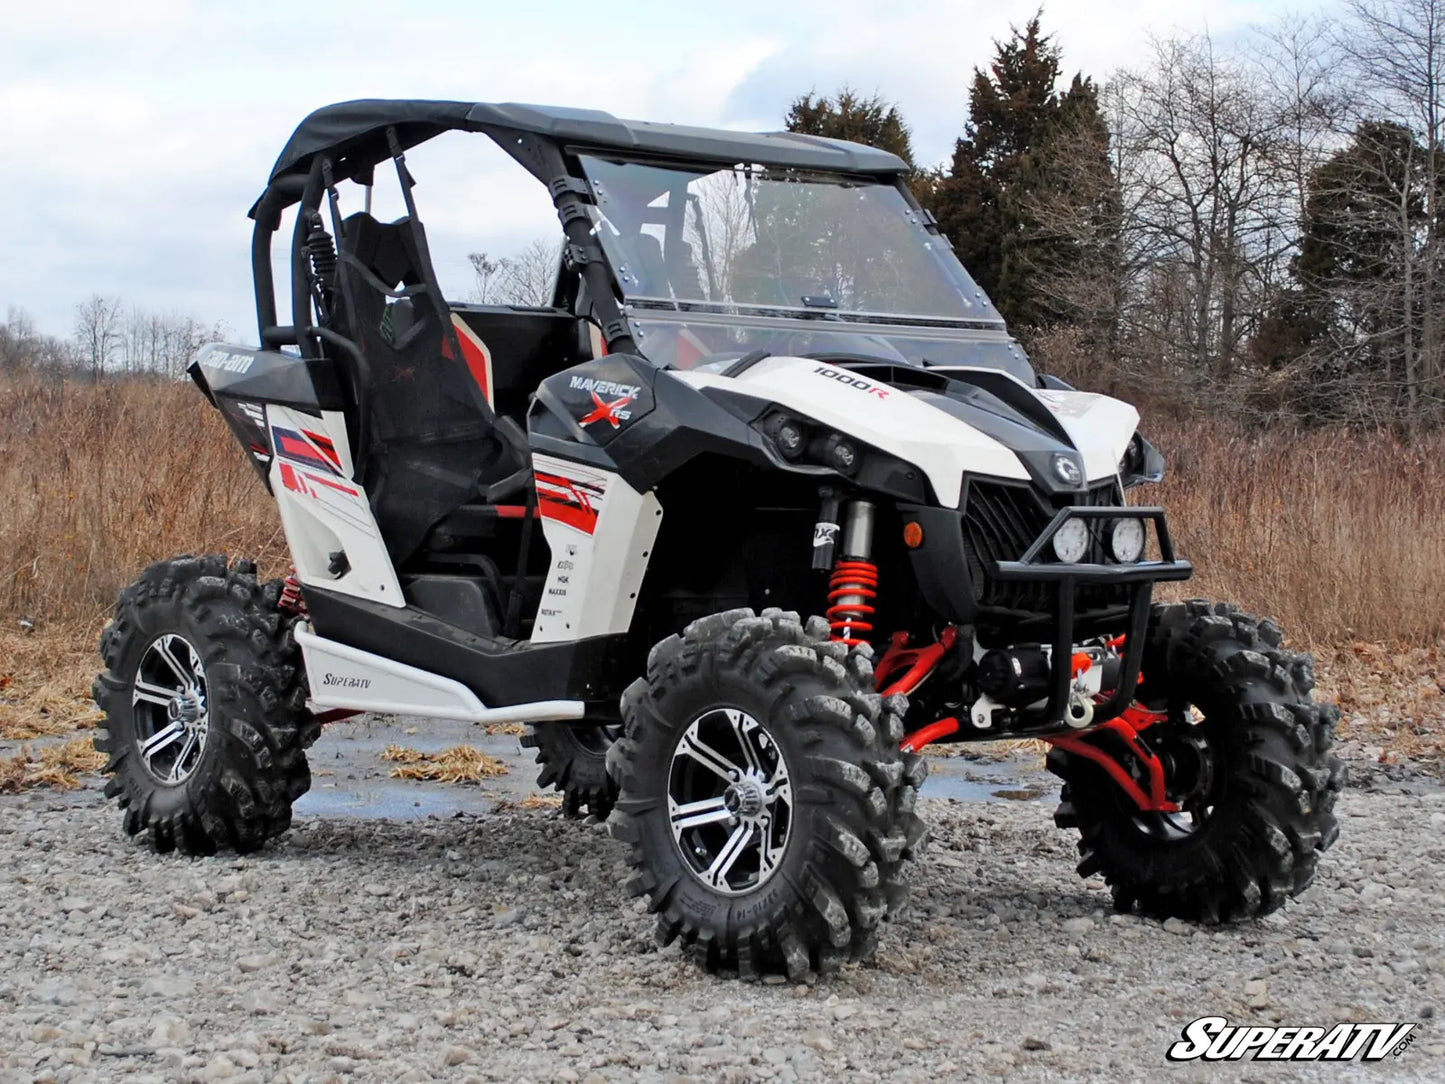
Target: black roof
354,134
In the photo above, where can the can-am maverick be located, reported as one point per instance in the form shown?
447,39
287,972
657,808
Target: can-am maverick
764,388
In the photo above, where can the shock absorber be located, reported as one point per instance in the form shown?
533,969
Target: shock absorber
853,587
322,252
291,600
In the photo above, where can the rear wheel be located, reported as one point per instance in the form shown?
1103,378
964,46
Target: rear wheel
765,804
574,761
204,697
1246,759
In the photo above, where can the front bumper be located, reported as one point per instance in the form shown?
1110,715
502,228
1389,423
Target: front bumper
1140,576
947,570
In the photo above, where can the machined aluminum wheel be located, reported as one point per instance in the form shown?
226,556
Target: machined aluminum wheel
730,801
764,801
172,719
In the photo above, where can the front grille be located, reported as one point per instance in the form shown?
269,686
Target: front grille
1001,520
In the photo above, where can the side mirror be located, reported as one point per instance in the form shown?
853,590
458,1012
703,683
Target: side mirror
1142,463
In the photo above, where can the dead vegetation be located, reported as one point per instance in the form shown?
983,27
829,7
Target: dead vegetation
459,764
45,682
57,766
1339,536
99,480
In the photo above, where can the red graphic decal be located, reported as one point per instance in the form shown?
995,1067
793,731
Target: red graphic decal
292,445
474,353
567,501
296,481
325,446
608,411
332,484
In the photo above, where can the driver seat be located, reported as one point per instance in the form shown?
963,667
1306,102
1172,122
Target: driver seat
434,443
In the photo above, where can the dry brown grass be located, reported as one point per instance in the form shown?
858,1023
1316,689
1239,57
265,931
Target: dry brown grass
1341,537
97,481
459,764
45,681
57,766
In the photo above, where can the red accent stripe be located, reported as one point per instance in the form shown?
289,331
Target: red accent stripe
513,511
583,519
476,364
327,448
288,478
334,485
299,449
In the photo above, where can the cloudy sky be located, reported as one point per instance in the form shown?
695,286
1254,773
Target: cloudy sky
134,134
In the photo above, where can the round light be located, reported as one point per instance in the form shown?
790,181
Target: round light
912,535
1071,541
1067,470
789,435
844,456
1126,540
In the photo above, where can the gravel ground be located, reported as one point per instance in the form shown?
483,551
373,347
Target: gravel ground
499,947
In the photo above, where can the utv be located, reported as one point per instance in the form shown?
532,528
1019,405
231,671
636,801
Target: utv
764,388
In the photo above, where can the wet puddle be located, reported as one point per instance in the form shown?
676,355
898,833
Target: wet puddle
349,778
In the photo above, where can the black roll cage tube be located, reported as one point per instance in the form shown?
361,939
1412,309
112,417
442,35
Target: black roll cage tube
543,158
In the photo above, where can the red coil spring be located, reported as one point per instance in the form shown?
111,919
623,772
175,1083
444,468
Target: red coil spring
291,600
851,591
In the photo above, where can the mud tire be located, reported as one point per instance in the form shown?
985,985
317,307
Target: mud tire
1274,780
574,762
854,826
253,763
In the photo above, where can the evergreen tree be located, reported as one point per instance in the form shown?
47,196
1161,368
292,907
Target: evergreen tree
1351,319
848,115
1026,140
873,121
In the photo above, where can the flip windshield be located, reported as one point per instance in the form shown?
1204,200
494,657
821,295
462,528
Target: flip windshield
718,262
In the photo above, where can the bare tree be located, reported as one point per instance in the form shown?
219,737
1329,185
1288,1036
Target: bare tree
17,341
98,332
1196,134
1395,50
528,277
484,270
1300,64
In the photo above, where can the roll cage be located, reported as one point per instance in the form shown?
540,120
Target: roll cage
347,141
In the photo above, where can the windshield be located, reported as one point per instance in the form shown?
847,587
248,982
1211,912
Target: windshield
704,341
769,241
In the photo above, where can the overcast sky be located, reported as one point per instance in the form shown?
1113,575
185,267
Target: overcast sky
134,134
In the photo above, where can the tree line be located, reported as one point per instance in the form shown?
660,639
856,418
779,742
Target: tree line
108,339
1254,229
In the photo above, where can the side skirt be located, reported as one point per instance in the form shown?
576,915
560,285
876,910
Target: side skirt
497,671
347,677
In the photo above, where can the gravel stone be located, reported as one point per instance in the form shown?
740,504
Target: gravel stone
501,947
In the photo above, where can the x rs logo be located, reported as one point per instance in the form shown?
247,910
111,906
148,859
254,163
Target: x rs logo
613,412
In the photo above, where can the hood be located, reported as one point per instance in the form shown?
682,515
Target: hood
947,422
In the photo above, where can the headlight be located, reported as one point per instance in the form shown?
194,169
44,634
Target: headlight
1126,540
840,454
1071,541
789,437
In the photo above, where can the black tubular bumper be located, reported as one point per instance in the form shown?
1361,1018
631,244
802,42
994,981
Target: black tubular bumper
1140,576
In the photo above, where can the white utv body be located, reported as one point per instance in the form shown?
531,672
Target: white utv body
765,388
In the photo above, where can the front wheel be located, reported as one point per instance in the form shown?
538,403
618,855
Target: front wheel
764,800
1246,758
